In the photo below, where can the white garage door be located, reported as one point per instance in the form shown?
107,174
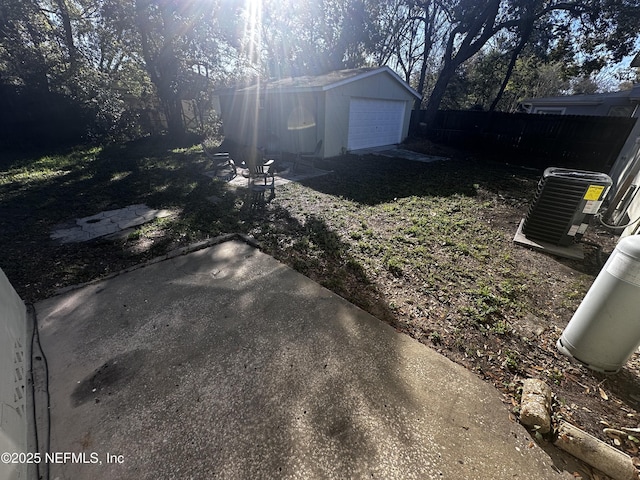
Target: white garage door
374,122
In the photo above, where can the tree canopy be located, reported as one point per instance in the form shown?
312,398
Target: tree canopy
127,63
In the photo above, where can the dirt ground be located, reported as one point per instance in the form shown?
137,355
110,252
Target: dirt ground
426,247
516,339
585,398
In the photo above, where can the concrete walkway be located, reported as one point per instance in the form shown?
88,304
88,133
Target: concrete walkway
392,151
410,155
106,223
225,363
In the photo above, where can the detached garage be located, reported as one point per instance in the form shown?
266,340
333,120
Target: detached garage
347,110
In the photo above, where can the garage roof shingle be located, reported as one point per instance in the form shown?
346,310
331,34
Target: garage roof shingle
327,81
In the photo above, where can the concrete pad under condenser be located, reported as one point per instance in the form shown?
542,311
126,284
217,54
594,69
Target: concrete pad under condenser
225,363
574,252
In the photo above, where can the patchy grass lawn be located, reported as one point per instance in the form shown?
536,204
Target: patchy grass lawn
425,247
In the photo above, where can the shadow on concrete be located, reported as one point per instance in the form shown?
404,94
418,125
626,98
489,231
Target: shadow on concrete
226,363
315,250
234,359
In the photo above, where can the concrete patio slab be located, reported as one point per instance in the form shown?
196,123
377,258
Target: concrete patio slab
575,251
413,156
106,223
392,151
225,363
285,175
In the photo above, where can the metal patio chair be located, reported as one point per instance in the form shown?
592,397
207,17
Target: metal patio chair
220,160
308,159
256,169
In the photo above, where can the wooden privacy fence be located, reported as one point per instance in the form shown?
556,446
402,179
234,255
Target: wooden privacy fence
571,141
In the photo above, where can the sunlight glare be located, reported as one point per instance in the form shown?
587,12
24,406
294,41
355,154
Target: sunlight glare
252,29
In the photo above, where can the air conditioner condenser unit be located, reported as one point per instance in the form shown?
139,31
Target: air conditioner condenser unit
563,206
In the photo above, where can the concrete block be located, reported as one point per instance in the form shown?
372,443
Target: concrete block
138,209
92,219
150,215
132,222
111,213
103,229
535,405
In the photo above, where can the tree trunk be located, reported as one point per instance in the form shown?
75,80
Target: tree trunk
68,33
166,68
163,69
35,72
421,82
505,81
417,106
476,35
437,94
428,42
526,33
173,110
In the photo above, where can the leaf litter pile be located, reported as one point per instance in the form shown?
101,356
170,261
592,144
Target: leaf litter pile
426,247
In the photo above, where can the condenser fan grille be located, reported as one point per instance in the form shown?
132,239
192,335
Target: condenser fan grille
563,205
